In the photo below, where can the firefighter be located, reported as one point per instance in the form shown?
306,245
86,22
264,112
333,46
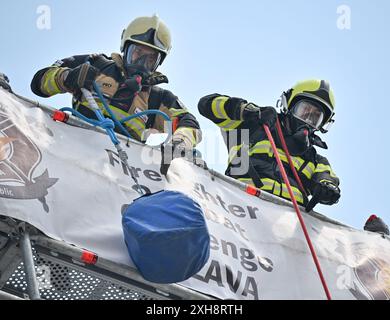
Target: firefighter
308,107
128,81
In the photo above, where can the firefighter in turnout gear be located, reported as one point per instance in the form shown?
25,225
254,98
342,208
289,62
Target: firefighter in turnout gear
128,81
308,107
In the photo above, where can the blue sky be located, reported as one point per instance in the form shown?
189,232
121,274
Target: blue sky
250,49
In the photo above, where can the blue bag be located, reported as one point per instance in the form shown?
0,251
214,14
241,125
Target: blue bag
166,236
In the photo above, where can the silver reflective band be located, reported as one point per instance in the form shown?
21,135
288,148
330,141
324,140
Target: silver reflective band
309,113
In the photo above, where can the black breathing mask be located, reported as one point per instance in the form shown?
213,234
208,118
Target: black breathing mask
301,137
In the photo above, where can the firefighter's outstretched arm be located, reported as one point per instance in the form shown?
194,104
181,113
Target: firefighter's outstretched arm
231,113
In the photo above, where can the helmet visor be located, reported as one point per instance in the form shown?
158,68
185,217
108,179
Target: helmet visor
142,56
308,112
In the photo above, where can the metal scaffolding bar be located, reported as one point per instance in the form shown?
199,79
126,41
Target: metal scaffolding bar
119,269
29,267
7,296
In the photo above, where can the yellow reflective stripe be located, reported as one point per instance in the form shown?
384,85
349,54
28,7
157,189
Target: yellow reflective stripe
218,107
233,152
262,147
177,112
298,162
309,169
50,86
246,181
325,180
268,184
297,194
188,133
277,188
282,155
325,168
136,125
229,124
266,148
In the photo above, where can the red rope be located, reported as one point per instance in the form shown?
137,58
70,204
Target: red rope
285,149
303,225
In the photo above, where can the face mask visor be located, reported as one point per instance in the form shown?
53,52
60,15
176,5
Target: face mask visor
142,58
309,113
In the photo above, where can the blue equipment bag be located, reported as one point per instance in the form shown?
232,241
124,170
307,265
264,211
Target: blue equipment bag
166,236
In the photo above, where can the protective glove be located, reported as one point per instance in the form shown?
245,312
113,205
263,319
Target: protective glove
154,78
81,77
324,192
136,82
262,115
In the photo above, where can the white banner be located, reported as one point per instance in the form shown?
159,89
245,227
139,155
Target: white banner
69,183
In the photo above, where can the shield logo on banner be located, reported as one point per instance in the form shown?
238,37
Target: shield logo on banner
19,157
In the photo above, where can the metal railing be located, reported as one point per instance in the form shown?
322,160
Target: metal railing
35,266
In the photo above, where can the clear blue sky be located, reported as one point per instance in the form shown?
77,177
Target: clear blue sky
251,49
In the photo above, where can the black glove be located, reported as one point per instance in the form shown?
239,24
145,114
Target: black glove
154,79
268,116
264,115
169,152
325,193
4,82
250,112
81,77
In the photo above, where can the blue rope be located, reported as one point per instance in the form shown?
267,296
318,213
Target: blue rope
81,116
140,114
137,115
108,109
105,123
109,124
